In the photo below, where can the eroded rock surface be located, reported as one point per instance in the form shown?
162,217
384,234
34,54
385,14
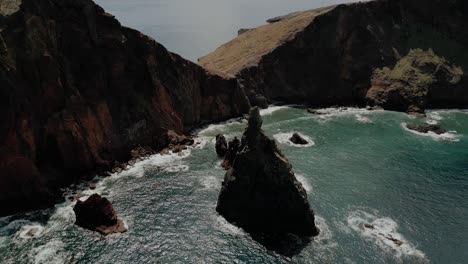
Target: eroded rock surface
427,128
79,91
97,214
221,145
332,56
261,194
298,139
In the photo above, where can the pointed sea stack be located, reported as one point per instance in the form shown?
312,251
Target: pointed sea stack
261,194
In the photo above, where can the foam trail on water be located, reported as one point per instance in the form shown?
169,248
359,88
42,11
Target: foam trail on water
449,136
383,231
283,138
49,253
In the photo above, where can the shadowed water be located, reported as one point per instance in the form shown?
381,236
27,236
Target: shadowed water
363,168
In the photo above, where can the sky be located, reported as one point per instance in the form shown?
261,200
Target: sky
194,28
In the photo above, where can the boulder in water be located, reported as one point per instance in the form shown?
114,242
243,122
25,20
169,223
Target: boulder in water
298,139
97,214
221,145
261,194
426,128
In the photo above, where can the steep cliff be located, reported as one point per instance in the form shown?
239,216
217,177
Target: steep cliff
78,91
330,56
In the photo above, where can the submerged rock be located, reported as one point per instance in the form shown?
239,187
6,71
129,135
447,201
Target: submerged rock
298,139
97,214
261,194
427,128
221,145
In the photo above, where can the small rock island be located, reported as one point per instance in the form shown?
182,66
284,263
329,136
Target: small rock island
97,214
261,194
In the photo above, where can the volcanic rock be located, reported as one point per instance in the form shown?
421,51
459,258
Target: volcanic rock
356,54
298,139
221,145
97,214
78,91
261,194
231,153
426,128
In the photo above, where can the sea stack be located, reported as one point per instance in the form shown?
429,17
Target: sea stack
97,214
261,194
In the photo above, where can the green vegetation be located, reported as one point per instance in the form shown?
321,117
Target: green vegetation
419,69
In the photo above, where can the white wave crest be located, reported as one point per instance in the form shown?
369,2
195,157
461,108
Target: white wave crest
30,231
283,138
449,136
270,110
220,128
224,226
433,117
304,182
383,231
363,119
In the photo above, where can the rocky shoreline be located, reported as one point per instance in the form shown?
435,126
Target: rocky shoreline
81,92
401,55
85,95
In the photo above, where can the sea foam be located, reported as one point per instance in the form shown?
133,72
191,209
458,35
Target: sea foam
283,138
383,231
304,182
449,136
49,253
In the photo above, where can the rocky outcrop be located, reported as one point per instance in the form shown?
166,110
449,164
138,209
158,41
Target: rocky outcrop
97,214
427,128
356,54
261,194
407,85
221,145
79,91
298,139
231,153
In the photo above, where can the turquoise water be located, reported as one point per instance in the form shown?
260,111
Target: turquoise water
193,28
362,168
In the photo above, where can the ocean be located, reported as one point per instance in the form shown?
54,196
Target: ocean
361,167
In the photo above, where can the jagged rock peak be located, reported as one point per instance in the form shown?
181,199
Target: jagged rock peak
261,194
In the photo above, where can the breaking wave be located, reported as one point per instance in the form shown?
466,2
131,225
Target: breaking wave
383,231
449,136
283,138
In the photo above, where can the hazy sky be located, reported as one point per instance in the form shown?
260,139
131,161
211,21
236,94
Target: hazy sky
194,28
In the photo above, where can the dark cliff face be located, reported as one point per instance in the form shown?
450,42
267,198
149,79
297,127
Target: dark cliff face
331,59
78,91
